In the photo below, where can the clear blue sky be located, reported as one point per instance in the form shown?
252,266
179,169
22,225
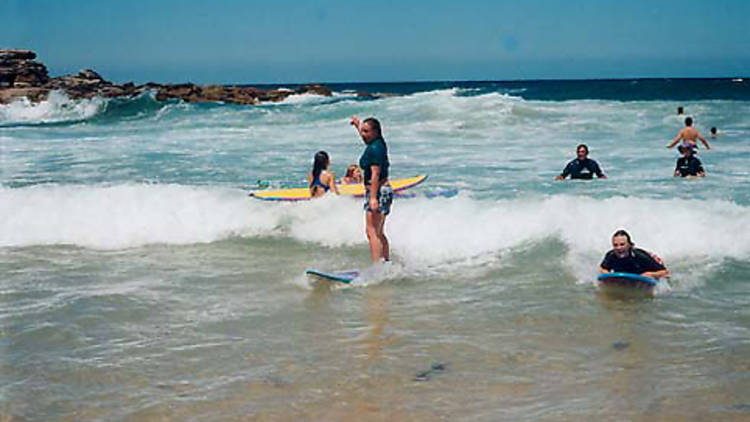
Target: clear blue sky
256,41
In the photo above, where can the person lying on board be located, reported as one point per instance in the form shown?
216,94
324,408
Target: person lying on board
626,258
320,178
582,167
688,165
689,136
353,175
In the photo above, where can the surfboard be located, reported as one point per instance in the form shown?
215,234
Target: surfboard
345,277
355,189
628,280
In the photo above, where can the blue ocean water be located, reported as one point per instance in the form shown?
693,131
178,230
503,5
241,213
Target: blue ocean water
141,282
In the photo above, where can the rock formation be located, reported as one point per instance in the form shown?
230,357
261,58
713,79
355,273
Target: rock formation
22,76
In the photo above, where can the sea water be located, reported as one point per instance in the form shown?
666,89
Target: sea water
139,281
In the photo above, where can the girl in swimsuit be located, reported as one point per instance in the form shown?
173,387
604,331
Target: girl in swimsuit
320,178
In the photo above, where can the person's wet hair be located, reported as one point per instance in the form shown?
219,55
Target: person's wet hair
320,162
688,121
582,146
713,130
374,125
622,232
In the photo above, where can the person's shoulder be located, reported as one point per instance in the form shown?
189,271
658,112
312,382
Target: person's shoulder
644,253
378,146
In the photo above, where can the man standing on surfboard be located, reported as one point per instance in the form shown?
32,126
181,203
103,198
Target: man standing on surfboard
378,192
626,258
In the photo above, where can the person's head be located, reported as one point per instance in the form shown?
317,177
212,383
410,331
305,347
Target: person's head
713,130
685,150
353,172
582,151
680,110
320,163
370,130
621,243
688,121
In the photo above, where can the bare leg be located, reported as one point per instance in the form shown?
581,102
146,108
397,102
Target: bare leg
386,251
374,226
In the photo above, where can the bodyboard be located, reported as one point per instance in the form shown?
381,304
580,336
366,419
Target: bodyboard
627,280
345,277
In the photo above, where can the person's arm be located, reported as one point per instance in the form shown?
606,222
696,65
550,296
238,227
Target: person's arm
374,187
655,266
701,172
332,182
565,172
598,171
675,140
705,142
354,121
656,274
605,266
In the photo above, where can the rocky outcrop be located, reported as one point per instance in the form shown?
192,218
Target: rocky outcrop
19,70
22,76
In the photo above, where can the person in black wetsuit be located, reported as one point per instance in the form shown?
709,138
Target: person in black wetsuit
582,167
688,165
320,178
626,258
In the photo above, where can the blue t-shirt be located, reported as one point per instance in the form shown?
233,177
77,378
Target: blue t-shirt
376,154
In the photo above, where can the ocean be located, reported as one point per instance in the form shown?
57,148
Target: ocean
139,281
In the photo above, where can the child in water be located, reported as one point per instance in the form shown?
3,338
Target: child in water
353,175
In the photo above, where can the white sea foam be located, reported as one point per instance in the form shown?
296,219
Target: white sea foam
57,108
307,98
423,232
127,216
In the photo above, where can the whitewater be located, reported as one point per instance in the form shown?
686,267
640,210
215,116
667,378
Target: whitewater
140,279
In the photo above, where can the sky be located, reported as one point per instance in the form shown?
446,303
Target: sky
300,41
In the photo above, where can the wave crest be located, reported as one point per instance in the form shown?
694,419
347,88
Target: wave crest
423,232
58,108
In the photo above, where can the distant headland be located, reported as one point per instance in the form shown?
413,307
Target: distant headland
22,76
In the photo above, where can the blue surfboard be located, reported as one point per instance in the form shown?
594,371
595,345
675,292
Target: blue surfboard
626,280
345,277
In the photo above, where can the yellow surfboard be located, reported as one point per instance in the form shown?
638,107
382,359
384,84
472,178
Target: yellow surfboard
355,189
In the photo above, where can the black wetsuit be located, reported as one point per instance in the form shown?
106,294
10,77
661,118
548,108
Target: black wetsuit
689,166
582,169
636,262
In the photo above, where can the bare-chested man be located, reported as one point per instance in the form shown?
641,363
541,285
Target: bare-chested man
689,136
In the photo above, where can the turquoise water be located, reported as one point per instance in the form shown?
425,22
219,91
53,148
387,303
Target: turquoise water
141,282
